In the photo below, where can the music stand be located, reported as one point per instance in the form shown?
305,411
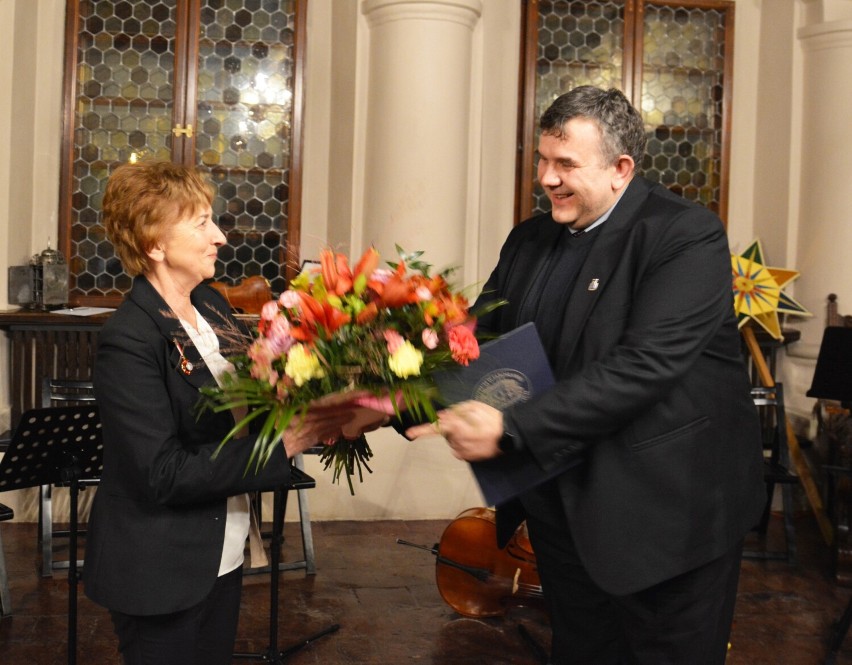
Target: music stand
299,480
57,446
833,380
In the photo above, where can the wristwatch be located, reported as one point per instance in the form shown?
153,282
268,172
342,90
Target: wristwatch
509,442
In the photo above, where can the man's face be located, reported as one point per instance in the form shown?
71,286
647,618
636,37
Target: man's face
571,170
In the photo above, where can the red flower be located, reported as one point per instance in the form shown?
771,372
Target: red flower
396,290
453,308
463,345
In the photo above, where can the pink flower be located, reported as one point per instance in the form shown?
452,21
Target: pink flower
261,362
381,275
289,299
269,311
463,345
430,338
278,336
424,294
259,354
394,340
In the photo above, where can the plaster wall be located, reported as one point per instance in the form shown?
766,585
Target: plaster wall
778,176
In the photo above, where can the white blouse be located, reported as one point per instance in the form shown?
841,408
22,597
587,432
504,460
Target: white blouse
238,520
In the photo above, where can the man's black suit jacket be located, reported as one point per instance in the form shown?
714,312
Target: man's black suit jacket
157,524
651,393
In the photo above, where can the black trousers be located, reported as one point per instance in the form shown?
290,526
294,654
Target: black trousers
682,621
201,635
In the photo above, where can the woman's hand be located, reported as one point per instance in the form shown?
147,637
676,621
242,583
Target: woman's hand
363,421
367,412
316,427
472,430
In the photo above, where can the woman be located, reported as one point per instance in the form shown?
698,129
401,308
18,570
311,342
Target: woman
169,523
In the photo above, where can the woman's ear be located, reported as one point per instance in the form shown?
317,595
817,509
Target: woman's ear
156,254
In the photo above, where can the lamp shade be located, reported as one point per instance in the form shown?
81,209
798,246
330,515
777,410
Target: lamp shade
833,373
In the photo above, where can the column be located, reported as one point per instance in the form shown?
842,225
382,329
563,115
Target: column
825,226
417,134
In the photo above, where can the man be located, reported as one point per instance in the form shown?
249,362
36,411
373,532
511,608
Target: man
639,544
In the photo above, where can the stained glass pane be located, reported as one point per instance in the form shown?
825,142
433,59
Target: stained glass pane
580,42
245,93
124,94
682,94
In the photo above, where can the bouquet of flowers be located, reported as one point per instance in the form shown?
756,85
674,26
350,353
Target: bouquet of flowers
348,336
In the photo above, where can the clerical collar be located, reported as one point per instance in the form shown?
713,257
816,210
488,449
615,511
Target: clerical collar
600,220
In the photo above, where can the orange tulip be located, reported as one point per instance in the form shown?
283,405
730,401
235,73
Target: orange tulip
370,312
336,274
316,318
367,264
338,277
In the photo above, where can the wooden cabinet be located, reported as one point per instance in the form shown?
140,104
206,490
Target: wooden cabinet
673,60
215,83
43,345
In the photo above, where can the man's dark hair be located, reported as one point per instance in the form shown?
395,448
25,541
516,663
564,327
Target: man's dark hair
621,126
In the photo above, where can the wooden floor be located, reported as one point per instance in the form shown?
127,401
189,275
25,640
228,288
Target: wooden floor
384,597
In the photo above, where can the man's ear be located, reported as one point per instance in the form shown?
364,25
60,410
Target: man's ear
624,169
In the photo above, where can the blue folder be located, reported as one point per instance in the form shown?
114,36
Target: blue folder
509,370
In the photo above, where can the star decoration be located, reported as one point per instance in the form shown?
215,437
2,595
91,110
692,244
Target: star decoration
758,291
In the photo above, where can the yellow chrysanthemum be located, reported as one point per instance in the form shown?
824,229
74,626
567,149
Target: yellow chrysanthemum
302,365
406,361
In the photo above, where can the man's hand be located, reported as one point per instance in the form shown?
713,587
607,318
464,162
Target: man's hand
472,430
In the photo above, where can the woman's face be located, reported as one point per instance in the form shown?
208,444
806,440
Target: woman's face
190,246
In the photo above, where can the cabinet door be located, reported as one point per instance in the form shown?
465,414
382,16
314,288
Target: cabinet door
206,82
244,113
684,57
567,43
119,106
673,60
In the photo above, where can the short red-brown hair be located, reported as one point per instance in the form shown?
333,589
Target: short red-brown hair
142,199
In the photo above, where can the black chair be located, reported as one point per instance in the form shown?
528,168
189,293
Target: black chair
776,471
6,513
59,392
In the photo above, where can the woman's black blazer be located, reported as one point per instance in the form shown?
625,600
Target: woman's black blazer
157,524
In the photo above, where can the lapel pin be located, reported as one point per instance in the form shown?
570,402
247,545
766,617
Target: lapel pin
593,285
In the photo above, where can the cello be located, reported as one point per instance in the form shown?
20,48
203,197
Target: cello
474,576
